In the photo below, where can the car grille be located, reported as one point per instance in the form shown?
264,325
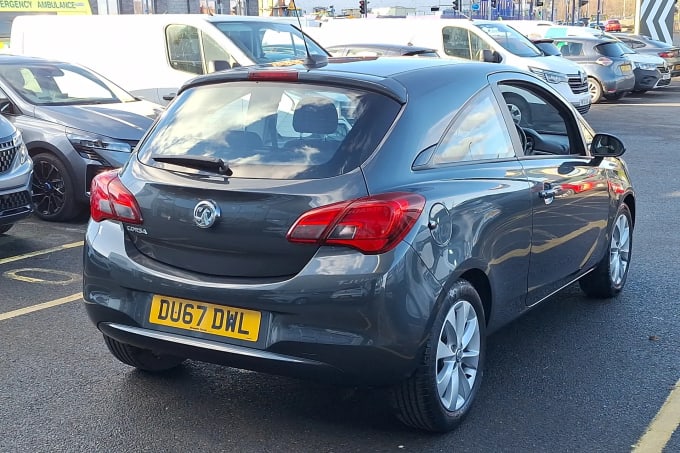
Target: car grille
15,203
8,149
583,108
577,87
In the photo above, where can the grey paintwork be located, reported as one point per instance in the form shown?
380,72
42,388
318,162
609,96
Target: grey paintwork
336,311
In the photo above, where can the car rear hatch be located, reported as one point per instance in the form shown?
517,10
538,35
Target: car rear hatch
225,173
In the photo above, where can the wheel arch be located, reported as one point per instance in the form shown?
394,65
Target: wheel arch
629,200
37,148
480,281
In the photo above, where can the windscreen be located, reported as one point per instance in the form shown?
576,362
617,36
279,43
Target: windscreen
266,42
511,40
272,130
60,84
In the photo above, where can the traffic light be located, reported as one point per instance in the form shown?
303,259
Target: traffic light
455,5
493,3
539,2
362,6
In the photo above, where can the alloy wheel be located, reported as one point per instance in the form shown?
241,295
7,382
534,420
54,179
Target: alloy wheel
458,354
619,250
48,188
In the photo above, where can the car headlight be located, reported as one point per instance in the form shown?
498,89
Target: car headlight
89,145
22,151
645,66
550,76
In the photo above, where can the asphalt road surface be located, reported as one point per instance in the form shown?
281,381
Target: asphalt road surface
571,375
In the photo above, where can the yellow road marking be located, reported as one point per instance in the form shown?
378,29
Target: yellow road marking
663,426
66,278
44,305
41,252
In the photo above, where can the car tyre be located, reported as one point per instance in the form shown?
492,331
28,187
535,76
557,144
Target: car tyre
609,277
438,395
595,90
53,189
142,359
519,108
5,228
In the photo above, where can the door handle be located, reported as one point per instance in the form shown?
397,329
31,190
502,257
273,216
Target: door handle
547,194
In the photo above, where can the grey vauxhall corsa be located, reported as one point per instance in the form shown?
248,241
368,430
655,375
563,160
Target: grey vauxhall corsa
75,124
15,177
365,222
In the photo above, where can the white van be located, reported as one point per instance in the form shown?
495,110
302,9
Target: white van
490,41
152,55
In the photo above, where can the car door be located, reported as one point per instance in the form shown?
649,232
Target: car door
569,195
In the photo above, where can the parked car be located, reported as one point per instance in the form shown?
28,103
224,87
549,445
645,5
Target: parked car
612,25
646,45
381,50
547,46
367,222
610,71
75,124
651,71
597,25
15,177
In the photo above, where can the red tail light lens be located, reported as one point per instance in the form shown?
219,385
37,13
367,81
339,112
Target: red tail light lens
371,225
110,199
273,75
669,54
604,61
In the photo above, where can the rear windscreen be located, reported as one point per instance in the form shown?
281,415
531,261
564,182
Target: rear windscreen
272,130
610,49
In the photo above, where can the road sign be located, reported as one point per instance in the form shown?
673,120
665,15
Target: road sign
475,7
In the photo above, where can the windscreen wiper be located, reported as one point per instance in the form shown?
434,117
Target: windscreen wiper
206,163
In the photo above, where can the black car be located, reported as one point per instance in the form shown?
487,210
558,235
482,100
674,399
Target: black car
610,71
365,223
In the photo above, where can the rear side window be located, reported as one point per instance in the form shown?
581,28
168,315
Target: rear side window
273,130
610,49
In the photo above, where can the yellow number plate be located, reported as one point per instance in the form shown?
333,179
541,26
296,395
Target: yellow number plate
626,68
203,317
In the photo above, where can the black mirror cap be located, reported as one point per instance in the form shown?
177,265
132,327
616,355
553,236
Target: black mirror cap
491,56
607,145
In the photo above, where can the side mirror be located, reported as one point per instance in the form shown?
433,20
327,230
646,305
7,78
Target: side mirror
491,56
606,145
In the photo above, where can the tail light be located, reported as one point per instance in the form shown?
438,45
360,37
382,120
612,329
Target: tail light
604,61
110,199
371,225
669,54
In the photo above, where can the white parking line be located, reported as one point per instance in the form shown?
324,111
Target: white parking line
44,305
663,426
41,252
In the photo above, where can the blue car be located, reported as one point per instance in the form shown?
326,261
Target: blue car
365,222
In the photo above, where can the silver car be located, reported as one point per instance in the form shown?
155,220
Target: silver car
15,177
75,124
366,222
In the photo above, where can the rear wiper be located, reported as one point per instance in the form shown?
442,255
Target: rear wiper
206,163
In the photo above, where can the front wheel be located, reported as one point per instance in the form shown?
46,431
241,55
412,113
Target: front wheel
608,278
53,189
440,392
142,359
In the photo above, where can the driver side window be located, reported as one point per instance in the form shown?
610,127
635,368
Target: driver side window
544,124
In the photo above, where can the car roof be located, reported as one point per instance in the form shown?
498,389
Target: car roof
8,58
380,73
381,46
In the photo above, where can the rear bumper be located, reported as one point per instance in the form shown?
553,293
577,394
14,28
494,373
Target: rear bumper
349,319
